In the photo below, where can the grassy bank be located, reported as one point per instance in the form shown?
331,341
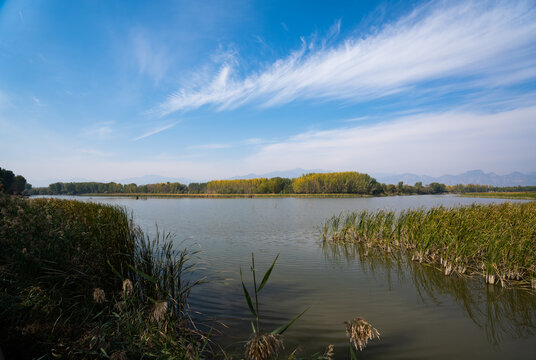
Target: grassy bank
79,280
495,241
528,195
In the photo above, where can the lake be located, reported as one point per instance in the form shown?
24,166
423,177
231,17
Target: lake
419,312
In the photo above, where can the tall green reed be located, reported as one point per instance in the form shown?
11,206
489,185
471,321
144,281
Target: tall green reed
497,241
262,345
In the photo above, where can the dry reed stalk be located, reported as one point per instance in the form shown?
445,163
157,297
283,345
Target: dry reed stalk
190,352
490,279
359,331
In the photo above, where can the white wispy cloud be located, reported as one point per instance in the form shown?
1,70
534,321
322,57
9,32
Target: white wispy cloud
100,131
210,146
37,101
94,152
155,131
484,43
356,119
217,146
152,57
255,141
433,143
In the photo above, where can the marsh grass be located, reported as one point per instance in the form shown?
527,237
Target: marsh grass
80,280
495,241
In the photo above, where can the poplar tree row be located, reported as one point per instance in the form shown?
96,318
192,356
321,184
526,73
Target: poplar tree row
349,182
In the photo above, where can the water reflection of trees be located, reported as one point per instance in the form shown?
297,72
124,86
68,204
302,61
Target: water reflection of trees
497,311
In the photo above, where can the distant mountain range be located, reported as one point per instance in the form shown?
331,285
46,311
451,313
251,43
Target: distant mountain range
153,179
294,173
469,177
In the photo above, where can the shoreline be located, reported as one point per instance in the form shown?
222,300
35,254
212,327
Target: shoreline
503,195
228,196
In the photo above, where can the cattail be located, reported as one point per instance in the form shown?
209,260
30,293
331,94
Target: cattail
359,331
99,296
127,288
263,346
159,311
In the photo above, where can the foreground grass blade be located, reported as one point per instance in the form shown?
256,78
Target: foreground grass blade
248,298
280,330
142,274
114,270
267,275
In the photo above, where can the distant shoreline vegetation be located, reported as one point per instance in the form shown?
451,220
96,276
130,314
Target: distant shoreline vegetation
351,184
528,195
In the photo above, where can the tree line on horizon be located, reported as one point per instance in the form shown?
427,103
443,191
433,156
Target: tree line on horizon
12,184
316,183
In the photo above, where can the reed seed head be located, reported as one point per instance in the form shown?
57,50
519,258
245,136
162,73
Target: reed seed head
330,353
127,287
159,311
99,296
263,346
359,331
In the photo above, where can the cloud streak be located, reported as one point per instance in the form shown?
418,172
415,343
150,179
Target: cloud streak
427,143
468,43
94,152
155,131
214,146
152,58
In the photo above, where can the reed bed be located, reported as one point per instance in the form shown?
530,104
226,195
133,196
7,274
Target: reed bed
80,280
497,241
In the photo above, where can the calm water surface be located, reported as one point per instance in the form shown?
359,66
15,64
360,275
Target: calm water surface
420,313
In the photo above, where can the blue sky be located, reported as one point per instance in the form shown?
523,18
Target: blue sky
106,90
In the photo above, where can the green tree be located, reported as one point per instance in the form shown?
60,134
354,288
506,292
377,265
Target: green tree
11,184
400,187
437,188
